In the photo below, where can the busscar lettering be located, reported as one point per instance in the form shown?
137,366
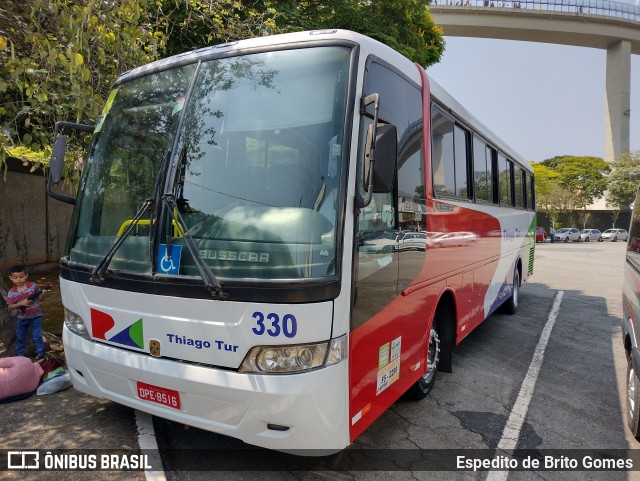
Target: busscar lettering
239,256
202,344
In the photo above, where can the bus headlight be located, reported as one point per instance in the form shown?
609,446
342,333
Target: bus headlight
75,324
292,359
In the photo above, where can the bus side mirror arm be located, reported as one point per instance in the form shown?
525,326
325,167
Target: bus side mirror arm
370,148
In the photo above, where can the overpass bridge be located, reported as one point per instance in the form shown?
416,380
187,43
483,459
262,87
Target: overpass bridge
609,25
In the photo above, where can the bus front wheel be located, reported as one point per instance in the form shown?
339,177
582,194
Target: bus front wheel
423,385
633,400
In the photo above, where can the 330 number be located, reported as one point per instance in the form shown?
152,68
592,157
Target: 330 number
272,325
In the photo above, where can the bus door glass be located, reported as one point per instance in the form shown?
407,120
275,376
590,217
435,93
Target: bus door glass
393,226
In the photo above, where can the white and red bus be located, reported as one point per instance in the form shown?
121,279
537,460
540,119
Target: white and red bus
274,239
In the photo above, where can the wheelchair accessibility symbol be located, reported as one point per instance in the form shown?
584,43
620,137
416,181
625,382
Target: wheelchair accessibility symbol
169,264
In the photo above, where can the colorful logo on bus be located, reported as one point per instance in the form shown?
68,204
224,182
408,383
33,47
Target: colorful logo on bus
101,323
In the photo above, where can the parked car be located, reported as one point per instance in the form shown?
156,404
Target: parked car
388,241
566,234
590,234
412,241
615,235
453,239
541,234
378,242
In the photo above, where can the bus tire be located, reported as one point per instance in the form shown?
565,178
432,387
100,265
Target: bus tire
511,304
423,385
633,400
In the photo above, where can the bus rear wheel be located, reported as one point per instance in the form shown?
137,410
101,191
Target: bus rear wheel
511,304
423,385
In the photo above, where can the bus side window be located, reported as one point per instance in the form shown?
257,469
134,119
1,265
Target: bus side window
442,154
481,181
461,147
519,187
504,180
530,193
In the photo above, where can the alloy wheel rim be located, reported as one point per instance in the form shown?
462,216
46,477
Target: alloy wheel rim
631,392
433,355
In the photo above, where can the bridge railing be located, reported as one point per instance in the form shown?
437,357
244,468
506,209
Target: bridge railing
579,7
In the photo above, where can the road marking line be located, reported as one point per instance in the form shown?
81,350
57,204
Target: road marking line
147,442
514,424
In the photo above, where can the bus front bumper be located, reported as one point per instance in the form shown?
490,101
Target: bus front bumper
309,410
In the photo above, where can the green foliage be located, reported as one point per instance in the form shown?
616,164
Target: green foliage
192,24
624,179
37,159
60,58
404,25
583,179
551,197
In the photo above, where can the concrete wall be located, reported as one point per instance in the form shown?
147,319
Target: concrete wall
33,227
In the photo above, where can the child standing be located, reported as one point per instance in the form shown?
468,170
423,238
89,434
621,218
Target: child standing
29,313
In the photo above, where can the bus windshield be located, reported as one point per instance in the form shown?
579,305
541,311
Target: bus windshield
255,168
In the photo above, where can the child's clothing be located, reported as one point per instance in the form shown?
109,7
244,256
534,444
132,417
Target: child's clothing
30,316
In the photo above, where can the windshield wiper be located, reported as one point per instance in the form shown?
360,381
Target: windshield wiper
208,277
156,196
97,275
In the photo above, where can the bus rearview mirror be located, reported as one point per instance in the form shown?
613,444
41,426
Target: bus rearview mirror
384,152
385,158
57,159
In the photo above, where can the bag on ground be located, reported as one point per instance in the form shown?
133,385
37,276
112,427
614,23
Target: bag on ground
60,382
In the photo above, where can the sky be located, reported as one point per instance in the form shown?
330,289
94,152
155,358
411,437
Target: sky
542,99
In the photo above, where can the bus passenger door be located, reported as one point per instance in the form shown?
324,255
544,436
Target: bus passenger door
376,283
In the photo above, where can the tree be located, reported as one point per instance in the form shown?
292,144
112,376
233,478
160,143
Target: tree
193,24
623,180
551,197
404,25
584,177
60,58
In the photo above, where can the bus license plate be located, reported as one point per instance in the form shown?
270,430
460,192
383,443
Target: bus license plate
160,395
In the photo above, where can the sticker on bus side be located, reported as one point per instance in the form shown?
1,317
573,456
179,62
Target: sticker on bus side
388,364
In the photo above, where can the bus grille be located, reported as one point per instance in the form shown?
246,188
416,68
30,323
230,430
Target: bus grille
531,255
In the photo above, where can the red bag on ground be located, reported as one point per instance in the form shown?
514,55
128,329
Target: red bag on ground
49,364
18,375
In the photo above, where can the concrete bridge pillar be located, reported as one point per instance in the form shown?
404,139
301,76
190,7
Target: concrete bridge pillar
618,108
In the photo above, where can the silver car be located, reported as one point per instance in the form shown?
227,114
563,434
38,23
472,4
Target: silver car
566,234
615,235
587,235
